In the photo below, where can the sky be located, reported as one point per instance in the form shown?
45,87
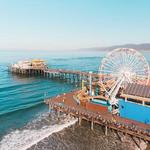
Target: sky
72,24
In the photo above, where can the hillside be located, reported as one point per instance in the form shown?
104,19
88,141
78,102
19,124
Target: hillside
144,46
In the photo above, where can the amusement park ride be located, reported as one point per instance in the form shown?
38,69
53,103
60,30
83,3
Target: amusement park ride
118,69
120,87
117,97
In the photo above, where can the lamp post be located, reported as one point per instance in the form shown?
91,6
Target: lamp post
90,83
82,84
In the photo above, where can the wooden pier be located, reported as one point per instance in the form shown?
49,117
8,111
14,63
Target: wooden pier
62,74
68,104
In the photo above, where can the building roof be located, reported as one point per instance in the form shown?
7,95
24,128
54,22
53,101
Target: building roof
137,90
38,61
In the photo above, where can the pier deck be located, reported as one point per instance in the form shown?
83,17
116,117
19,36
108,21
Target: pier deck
73,75
67,103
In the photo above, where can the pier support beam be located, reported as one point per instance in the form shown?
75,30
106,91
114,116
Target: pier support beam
92,125
125,99
106,130
80,120
58,113
143,103
49,108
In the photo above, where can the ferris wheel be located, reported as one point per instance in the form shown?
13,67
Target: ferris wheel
120,67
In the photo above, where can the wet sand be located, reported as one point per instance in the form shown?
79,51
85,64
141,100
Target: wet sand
83,138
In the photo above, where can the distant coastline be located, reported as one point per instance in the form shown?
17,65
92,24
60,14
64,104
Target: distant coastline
141,47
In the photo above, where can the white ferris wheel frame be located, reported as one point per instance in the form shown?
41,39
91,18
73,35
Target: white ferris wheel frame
135,53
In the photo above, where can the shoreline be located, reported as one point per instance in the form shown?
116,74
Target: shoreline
26,138
77,137
60,128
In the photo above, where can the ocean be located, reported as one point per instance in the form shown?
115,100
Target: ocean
23,115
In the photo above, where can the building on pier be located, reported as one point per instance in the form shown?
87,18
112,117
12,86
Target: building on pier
27,65
133,101
123,86
121,92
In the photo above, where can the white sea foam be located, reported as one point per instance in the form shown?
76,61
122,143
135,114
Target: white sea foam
21,140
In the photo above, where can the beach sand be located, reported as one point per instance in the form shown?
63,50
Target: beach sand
82,137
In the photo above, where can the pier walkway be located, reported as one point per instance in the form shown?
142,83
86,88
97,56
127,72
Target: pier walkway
67,103
73,75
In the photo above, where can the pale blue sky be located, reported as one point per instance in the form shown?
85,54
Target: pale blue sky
67,24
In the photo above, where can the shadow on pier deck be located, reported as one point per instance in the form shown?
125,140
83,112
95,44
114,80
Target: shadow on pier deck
68,104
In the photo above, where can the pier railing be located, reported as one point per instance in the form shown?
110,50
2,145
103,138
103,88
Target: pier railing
97,118
71,75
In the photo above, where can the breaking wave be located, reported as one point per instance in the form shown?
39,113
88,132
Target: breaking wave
24,139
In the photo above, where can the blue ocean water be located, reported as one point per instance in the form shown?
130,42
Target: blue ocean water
21,98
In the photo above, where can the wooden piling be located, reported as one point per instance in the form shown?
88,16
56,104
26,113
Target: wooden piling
79,120
106,130
58,114
92,125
